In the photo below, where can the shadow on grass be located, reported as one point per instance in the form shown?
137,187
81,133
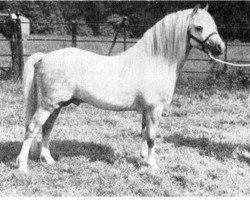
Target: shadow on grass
72,148
92,151
69,148
9,151
207,147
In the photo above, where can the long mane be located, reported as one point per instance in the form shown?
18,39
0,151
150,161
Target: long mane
166,40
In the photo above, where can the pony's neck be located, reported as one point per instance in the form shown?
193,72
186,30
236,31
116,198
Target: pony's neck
188,49
166,40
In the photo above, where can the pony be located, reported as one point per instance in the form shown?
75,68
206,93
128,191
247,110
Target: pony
140,79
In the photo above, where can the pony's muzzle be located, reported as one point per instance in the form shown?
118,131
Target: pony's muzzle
220,48
215,48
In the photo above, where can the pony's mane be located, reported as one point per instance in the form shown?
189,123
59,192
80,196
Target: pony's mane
166,39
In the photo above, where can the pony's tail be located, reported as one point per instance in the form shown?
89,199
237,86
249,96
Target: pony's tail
30,96
29,87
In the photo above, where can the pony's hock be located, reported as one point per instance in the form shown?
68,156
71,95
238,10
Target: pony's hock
141,79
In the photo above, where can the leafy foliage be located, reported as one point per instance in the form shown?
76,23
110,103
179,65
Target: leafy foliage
50,16
222,78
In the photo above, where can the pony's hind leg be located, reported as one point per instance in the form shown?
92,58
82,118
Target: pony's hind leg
46,130
152,120
36,122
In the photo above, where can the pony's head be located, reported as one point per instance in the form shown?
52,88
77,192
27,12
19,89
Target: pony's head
203,33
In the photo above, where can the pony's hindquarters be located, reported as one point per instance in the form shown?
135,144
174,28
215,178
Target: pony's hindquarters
30,96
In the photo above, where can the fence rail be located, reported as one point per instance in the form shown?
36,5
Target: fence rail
122,30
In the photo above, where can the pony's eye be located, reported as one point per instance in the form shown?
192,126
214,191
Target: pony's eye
199,28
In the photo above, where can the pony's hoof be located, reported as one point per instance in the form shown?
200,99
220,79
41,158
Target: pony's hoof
22,166
51,162
150,167
48,159
23,169
154,166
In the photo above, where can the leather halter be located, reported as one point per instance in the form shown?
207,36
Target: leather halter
199,41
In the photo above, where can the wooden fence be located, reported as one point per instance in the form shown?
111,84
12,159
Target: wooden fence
17,44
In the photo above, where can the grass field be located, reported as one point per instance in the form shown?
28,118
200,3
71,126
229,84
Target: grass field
199,146
202,145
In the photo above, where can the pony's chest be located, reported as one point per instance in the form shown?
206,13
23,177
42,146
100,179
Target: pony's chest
159,88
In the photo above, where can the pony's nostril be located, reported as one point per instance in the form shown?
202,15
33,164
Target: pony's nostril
219,48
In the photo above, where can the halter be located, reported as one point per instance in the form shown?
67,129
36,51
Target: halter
213,58
199,41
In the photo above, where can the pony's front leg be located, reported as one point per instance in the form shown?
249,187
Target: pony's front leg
152,121
39,118
144,147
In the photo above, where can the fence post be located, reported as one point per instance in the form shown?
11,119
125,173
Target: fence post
74,33
19,47
225,56
13,44
124,23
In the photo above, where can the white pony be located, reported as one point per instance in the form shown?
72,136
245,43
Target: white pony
141,79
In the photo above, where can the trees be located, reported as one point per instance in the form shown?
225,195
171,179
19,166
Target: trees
48,17
233,15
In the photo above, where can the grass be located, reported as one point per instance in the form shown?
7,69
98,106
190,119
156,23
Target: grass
200,142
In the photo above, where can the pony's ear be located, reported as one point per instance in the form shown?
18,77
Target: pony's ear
195,10
206,7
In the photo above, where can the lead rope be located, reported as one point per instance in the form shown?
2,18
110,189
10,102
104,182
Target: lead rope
237,65
228,63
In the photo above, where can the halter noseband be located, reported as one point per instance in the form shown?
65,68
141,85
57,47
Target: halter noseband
199,41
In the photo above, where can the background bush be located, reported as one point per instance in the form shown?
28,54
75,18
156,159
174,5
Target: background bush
50,17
